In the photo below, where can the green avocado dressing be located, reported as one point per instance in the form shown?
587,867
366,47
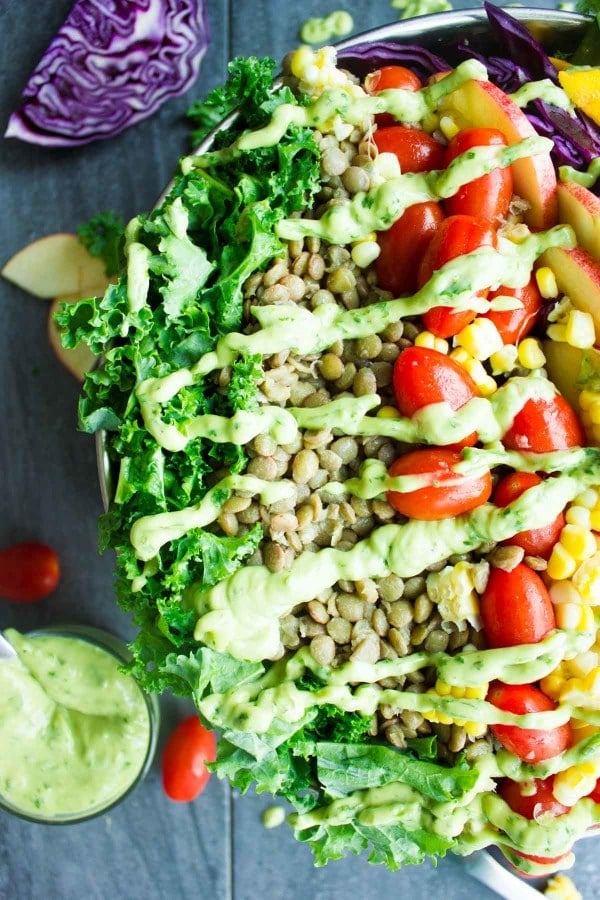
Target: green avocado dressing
74,730
318,30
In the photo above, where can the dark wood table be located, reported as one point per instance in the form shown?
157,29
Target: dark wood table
148,848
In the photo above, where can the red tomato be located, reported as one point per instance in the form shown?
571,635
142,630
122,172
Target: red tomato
534,541
28,572
456,236
447,494
541,802
403,245
423,376
417,151
530,744
188,749
488,196
516,608
595,795
391,77
545,425
514,324
540,860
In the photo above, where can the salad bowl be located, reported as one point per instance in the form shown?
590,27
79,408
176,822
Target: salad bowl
325,602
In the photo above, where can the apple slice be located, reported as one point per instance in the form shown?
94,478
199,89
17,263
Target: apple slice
480,104
54,266
580,209
577,275
80,359
563,364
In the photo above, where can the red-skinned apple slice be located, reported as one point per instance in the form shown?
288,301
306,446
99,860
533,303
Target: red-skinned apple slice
54,266
80,359
577,275
580,209
480,104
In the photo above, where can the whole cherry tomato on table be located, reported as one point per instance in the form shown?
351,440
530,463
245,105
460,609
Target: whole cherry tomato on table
456,236
530,744
402,247
28,572
447,493
514,324
489,195
516,608
534,541
423,376
188,749
417,151
545,425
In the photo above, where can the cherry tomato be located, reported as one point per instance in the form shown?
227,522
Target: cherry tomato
188,749
423,376
391,77
28,572
447,494
417,151
516,608
403,245
456,236
530,744
595,794
514,324
488,196
545,425
534,541
541,801
540,860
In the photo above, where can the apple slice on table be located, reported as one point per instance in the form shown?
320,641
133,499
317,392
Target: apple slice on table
577,275
55,266
480,104
580,208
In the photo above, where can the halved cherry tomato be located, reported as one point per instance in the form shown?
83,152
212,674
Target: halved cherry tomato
530,744
423,376
540,860
534,541
188,749
516,608
488,196
392,77
446,494
595,794
514,324
403,245
417,151
545,425
28,572
456,236
538,799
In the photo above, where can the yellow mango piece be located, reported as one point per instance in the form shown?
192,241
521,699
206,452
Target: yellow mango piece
583,87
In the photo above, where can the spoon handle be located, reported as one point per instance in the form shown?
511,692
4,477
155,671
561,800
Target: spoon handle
488,871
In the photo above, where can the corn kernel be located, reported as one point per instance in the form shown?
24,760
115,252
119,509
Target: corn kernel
443,719
460,355
586,579
517,233
557,333
530,354
475,729
573,783
588,498
546,282
580,331
477,693
578,542
560,886
301,58
443,689
561,564
432,342
595,520
448,127
480,338
584,663
586,398
553,684
388,412
504,360
578,515
364,253
564,592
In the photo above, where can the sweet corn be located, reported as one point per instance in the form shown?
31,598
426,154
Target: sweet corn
578,542
580,331
557,332
574,617
478,692
480,338
454,591
442,689
561,564
546,282
564,592
579,515
388,412
530,354
560,887
448,127
576,782
364,253
431,342
583,692
586,580
553,684
504,360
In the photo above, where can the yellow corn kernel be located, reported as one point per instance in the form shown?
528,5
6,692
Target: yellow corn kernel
586,398
576,782
442,688
580,331
582,664
561,564
574,617
504,360
475,729
595,520
546,282
579,515
432,342
516,233
530,353
364,253
560,886
448,127
480,338
578,542
557,333
586,579
553,684
593,411
477,693
301,59
388,412
564,592
444,719
460,355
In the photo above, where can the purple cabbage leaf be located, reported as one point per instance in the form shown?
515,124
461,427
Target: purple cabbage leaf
111,64
364,58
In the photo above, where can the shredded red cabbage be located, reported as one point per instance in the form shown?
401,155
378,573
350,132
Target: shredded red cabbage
111,64
364,58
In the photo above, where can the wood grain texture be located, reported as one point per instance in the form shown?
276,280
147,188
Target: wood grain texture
147,848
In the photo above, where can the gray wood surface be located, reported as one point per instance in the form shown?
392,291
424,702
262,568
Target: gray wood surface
147,848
